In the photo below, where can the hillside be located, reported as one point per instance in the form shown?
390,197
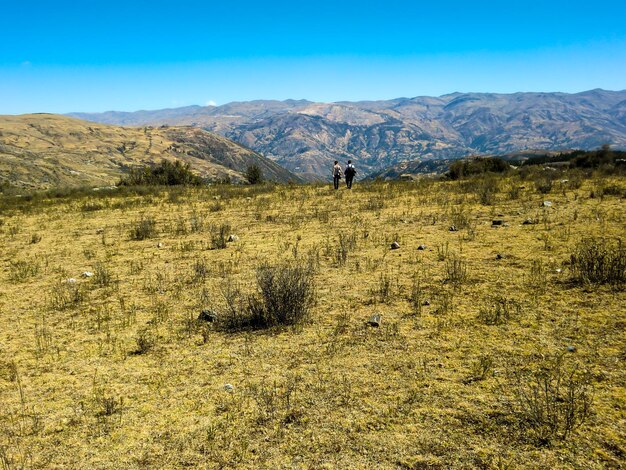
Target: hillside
44,150
306,137
499,344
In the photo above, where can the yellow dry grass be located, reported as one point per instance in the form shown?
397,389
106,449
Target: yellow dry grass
333,392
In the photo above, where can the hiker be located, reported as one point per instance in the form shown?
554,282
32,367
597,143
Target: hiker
336,174
350,171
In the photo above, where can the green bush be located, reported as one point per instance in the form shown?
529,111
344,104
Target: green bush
476,166
166,173
254,174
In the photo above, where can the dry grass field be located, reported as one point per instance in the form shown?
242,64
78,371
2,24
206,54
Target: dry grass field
494,350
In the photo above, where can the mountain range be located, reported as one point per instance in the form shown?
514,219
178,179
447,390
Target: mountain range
305,137
46,150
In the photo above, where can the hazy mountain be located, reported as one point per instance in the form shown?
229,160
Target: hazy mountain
306,137
45,150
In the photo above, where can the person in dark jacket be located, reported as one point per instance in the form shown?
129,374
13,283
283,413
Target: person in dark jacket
349,172
336,174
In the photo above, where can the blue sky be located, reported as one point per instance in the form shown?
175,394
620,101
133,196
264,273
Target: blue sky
62,56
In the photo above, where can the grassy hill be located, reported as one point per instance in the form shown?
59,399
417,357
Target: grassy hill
44,150
496,347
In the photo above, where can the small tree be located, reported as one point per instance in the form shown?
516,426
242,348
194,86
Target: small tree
254,174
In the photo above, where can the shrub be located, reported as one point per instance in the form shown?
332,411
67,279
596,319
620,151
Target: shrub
285,295
219,236
167,173
475,166
103,276
550,399
254,174
596,261
145,340
21,270
144,228
456,270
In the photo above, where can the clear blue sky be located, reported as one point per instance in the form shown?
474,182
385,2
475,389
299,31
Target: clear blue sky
62,56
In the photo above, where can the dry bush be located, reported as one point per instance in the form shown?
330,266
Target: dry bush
597,261
550,399
144,229
285,296
219,236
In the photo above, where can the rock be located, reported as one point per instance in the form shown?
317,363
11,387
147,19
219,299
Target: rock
529,222
228,388
71,280
374,320
571,349
99,231
87,274
497,222
453,228
500,256
233,238
426,303
421,247
159,245
546,203
395,245
207,316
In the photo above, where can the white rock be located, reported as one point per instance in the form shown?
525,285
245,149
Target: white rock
71,280
87,274
228,388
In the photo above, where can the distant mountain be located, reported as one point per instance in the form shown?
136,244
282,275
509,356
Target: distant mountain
306,137
46,150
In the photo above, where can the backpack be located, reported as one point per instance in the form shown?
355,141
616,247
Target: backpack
350,170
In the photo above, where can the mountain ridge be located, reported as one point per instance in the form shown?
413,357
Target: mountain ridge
306,136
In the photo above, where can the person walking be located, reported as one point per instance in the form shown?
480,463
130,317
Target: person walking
336,174
350,171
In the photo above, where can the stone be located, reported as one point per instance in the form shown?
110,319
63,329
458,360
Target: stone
207,316
71,280
159,245
546,203
426,303
453,228
87,274
529,222
395,245
233,238
571,349
99,231
497,222
421,247
374,320
499,256
228,388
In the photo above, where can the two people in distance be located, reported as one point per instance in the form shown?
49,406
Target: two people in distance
349,173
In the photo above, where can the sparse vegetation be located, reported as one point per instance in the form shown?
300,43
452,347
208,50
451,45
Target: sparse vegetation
166,173
496,346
